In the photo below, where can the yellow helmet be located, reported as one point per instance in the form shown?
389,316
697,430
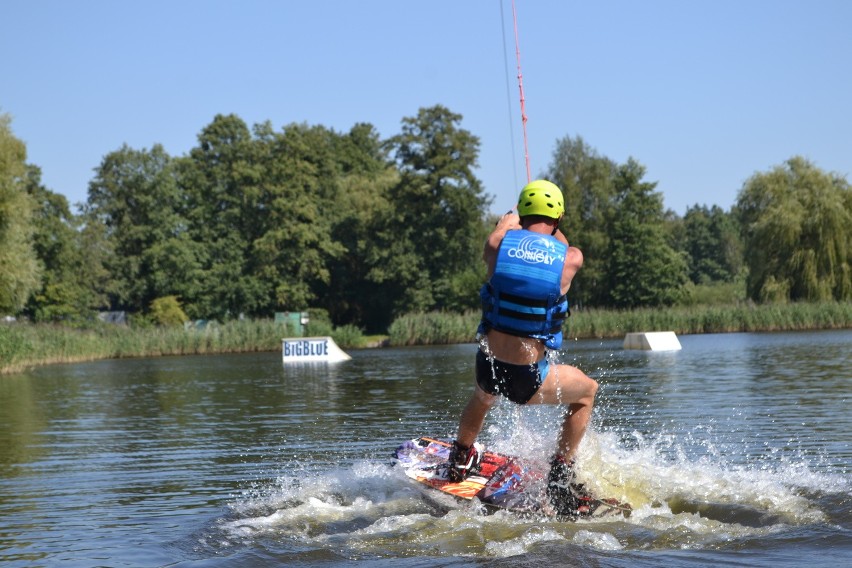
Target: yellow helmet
541,197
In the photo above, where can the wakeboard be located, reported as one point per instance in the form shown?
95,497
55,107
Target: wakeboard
501,481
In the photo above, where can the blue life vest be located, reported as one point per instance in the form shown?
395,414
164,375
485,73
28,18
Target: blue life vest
524,295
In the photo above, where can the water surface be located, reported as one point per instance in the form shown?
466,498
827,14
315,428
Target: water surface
734,450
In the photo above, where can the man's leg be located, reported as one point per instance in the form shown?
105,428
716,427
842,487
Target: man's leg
572,387
464,456
473,416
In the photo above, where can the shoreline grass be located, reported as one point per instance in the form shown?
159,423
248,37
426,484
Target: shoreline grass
24,345
439,328
687,320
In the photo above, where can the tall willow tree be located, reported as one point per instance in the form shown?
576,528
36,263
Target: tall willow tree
797,228
19,269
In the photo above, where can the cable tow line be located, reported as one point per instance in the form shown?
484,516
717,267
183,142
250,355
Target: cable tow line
521,88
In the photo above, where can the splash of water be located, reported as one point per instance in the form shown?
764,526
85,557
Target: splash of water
371,508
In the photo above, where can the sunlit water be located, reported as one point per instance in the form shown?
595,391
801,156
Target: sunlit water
734,450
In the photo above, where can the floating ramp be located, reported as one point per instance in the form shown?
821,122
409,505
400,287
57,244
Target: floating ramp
652,341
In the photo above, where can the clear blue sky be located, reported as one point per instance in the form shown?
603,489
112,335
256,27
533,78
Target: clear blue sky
704,93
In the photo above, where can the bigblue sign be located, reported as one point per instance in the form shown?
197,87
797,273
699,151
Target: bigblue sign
306,348
309,349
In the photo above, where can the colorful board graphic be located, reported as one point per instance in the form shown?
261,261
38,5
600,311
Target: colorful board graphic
503,482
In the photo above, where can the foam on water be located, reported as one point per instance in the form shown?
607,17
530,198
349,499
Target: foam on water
372,508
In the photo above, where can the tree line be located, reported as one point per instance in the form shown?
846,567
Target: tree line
252,221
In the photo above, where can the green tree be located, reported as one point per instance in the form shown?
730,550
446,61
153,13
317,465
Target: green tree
136,199
265,204
72,273
710,238
221,178
587,180
19,269
642,267
797,229
435,227
366,178
296,251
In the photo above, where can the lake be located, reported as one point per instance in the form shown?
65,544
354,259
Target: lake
733,451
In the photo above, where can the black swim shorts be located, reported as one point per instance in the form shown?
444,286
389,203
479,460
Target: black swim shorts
518,383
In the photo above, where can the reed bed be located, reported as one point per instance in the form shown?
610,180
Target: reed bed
441,328
433,328
23,345
712,319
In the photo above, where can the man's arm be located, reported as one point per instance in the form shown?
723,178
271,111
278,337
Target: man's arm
508,222
573,263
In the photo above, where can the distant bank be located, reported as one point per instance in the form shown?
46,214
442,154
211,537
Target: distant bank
25,345
438,328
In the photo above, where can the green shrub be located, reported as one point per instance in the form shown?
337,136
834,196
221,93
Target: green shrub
167,311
